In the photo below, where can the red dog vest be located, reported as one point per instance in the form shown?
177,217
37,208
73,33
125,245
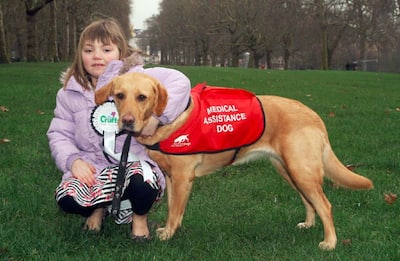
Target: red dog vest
222,119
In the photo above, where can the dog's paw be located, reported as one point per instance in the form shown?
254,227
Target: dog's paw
305,225
94,222
327,245
92,226
163,234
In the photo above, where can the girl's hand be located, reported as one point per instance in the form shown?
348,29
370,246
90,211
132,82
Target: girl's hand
150,127
84,172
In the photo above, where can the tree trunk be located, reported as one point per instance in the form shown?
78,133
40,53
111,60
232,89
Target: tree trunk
363,52
324,49
53,48
31,9
67,45
197,55
286,51
323,33
74,38
268,58
235,56
32,50
4,58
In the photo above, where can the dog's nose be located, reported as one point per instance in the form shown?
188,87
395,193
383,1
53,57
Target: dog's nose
128,121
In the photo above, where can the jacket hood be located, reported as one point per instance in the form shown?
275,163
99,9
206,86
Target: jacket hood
63,76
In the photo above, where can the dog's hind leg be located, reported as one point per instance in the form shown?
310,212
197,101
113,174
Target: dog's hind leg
310,215
308,180
310,211
324,210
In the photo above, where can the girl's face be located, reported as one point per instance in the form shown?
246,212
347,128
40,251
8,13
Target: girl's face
96,56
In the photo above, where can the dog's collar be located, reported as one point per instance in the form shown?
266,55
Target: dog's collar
188,104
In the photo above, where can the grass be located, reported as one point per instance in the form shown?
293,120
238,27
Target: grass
241,213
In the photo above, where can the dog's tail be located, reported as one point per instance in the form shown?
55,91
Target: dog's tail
342,175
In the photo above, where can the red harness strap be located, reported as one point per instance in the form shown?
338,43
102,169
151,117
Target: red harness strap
222,119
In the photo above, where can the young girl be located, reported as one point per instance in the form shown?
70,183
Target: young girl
88,155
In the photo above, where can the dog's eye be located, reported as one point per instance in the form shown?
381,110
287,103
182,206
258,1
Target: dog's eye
120,96
141,97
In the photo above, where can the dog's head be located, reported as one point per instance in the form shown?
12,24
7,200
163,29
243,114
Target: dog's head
137,96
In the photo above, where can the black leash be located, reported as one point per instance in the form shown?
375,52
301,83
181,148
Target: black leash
116,202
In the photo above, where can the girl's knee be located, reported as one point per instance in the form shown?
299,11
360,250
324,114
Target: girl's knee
69,205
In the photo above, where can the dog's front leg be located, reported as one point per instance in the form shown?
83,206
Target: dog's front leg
178,191
93,223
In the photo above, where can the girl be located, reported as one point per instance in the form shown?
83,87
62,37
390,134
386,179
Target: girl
87,154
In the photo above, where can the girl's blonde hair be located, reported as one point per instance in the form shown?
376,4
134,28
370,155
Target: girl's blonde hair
104,30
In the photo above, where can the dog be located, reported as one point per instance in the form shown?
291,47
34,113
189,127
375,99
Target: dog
295,140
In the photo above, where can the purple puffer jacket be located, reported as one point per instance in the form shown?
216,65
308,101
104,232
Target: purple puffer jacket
71,135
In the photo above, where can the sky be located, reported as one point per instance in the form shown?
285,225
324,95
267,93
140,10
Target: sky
143,9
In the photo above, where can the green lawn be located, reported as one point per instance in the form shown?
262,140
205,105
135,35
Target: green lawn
240,213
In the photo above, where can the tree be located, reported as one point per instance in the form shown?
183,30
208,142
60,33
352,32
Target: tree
294,33
232,20
374,26
323,24
53,45
31,9
287,20
4,58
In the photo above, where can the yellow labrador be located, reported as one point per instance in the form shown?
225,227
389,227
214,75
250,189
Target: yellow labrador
295,140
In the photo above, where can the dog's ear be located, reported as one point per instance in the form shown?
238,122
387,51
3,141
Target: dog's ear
103,93
161,99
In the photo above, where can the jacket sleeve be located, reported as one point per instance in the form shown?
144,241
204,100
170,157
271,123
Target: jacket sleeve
61,134
178,87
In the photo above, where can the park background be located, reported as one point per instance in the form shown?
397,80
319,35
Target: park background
268,34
